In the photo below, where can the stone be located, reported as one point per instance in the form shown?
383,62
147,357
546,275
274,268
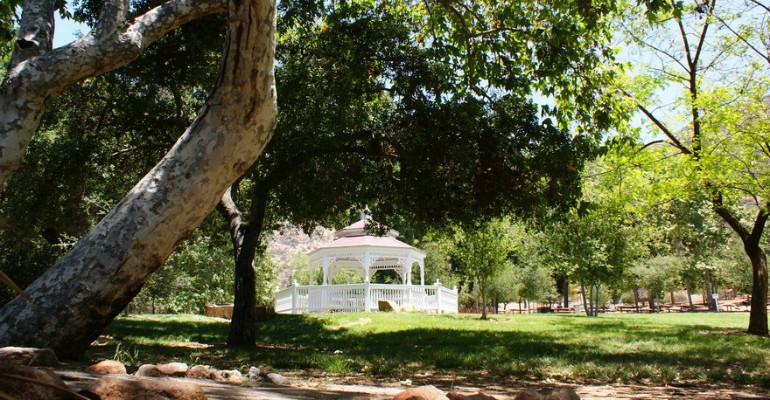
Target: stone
563,394
107,367
528,394
173,369
29,356
421,393
219,310
228,376
254,374
277,379
475,396
131,388
387,305
24,390
150,370
201,372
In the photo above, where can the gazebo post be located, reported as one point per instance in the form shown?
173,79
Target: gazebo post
325,267
312,269
408,280
367,266
422,273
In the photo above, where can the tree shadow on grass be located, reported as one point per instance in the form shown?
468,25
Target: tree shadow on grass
602,349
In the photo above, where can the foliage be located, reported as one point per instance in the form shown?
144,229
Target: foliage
658,275
709,61
682,348
485,252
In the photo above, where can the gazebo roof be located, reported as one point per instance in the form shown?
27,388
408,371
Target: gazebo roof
355,236
355,248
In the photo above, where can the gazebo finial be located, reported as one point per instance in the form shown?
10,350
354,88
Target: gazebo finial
366,213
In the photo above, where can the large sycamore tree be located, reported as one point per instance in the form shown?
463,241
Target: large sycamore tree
703,91
73,301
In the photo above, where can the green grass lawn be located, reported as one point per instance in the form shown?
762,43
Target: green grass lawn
654,348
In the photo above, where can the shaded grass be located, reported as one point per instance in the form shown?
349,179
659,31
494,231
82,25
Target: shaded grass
656,348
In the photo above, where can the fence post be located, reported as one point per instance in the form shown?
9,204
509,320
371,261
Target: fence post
367,297
294,297
438,297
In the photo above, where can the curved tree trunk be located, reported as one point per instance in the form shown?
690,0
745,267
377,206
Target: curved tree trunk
758,315
79,296
245,237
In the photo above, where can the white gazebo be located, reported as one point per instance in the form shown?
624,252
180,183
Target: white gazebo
356,249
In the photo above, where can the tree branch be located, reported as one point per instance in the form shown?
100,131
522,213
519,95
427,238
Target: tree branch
671,137
36,30
112,16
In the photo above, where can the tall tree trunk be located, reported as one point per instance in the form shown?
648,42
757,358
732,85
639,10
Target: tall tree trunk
483,289
751,245
585,298
78,297
689,295
758,315
245,239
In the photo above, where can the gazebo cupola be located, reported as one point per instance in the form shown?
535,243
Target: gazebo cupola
355,248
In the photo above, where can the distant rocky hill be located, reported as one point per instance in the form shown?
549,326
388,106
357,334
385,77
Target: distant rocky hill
287,242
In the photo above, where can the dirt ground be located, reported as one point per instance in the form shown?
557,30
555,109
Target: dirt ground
302,389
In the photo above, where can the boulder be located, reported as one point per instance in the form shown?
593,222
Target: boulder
255,374
150,370
132,388
475,396
228,376
421,393
219,310
528,394
387,305
277,379
201,372
563,394
172,369
25,390
107,367
29,356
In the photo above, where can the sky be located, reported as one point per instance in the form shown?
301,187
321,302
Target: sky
66,31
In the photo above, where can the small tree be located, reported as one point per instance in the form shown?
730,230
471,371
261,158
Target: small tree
484,253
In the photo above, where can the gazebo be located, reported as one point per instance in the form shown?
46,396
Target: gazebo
356,249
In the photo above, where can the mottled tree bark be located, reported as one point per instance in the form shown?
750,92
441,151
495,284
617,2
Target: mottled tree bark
37,74
80,295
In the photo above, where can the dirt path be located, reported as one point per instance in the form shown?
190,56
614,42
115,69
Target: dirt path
328,390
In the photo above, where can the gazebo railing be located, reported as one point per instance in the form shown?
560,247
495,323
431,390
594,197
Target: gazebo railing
364,297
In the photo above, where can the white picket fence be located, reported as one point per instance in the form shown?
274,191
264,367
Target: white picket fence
364,297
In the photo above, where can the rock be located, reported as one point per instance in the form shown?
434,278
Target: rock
277,379
131,388
22,390
173,369
201,372
387,305
231,376
475,396
219,310
421,393
29,356
563,394
107,367
150,370
254,374
528,394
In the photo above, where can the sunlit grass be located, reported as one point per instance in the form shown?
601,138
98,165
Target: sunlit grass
655,348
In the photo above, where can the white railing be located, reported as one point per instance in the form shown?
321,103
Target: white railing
364,297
